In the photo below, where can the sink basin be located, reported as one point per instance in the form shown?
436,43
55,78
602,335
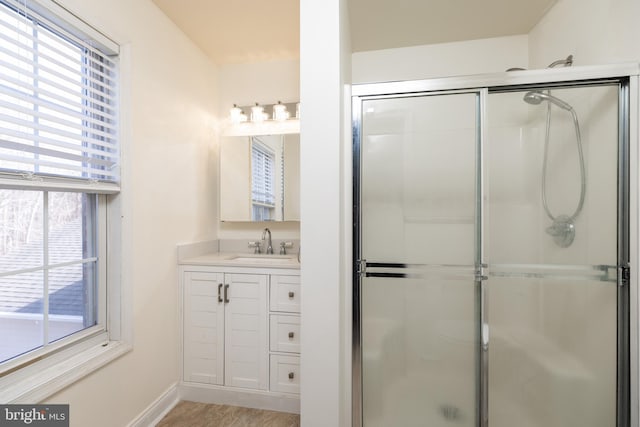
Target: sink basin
263,259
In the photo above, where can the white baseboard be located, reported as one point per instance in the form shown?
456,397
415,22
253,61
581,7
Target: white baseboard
158,408
257,399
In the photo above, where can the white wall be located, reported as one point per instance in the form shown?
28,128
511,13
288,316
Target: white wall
266,83
324,69
594,31
263,82
169,194
440,60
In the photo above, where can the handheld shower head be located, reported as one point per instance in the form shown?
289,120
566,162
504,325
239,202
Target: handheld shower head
535,98
532,98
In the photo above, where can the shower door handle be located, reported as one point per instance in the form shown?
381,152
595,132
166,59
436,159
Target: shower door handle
396,270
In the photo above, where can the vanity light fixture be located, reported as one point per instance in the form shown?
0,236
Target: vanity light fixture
278,120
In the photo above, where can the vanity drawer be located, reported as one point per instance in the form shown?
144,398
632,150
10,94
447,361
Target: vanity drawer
284,333
285,373
285,294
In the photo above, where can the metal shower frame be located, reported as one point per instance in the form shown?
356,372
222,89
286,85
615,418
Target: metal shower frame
627,76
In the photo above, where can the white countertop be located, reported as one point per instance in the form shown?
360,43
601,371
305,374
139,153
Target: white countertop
244,260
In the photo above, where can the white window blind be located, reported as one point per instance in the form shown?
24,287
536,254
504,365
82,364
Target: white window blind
58,115
263,163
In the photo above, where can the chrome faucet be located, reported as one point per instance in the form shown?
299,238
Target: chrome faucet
269,249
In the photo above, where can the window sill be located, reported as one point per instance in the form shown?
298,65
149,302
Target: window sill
42,379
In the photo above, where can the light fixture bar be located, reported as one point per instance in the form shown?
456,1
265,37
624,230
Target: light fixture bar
280,112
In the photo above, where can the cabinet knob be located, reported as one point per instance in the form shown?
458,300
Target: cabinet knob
290,334
291,375
291,294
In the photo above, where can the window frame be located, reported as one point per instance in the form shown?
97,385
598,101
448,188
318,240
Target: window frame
100,226
95,103
66,361
52,368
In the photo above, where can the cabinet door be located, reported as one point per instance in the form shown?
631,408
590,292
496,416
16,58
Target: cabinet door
203,327
246,347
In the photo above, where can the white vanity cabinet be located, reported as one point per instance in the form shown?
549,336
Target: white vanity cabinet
225,329
241,335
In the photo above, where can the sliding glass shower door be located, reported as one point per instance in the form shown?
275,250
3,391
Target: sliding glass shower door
551,246
419,241
491,255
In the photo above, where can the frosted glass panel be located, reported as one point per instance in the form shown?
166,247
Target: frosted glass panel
517,221
418,179
552,353
552,305
418,358
418,225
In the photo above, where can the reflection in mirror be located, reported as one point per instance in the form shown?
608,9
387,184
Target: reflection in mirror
267,192
259,178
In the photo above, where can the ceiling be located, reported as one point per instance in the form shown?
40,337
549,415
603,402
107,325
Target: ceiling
258,30
383,24
234,31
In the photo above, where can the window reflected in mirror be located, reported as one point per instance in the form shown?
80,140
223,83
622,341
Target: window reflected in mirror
266,197
260,178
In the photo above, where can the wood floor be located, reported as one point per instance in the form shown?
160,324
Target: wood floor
193,414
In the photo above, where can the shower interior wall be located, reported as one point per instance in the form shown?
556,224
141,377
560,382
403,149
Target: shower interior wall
545,359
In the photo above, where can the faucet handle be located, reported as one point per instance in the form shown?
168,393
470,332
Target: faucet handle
284,246
255,245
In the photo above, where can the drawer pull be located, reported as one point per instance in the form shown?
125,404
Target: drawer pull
226,293
291,375
290,335
220,292
291,294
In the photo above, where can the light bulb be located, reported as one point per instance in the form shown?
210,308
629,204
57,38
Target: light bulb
257,113
280,112
236,114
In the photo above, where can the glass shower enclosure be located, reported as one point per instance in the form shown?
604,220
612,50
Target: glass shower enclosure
494,230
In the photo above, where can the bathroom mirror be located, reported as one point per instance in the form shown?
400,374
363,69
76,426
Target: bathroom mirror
260,178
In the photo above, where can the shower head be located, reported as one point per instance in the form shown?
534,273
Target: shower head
568,62
535,98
